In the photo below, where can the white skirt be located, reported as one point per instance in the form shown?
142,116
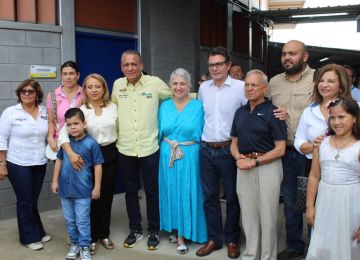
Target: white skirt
337,218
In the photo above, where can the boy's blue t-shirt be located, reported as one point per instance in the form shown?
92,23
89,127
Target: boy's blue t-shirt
79,184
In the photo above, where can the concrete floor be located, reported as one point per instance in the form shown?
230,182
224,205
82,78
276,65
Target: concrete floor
53,222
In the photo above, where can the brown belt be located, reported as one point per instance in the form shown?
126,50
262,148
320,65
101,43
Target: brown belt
218,144
252,155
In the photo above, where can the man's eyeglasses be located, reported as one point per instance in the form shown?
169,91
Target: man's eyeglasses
216,65
27,91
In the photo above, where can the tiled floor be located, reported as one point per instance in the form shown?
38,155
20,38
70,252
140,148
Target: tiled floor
56,249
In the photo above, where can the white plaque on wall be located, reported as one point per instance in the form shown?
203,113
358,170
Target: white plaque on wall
38,71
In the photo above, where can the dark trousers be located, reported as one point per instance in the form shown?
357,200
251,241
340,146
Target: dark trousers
148,166
101,208
216,163
27,182
293,166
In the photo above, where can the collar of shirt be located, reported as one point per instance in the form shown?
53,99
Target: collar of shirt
140,82
302,74
20,107
227,83
262,103
77,140
59,91
315,108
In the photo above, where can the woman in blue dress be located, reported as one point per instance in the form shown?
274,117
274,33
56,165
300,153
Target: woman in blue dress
181,121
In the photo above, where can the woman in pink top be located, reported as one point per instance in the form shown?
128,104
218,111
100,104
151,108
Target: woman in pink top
67,95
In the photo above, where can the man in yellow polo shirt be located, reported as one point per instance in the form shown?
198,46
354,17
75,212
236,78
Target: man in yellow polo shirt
138,97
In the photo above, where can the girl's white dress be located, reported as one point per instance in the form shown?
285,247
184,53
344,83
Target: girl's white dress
337,205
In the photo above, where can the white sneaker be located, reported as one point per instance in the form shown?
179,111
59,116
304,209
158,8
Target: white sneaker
46,238
74,251
35,246
85,253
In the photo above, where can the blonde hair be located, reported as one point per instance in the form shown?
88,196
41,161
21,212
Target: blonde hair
106,96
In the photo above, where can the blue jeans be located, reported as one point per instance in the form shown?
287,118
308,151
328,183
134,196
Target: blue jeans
27,182
77,217
216,163
293,166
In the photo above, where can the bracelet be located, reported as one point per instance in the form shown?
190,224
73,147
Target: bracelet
257,162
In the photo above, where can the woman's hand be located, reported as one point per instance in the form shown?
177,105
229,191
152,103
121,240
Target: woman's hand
310,215
3,172
356,236
52,143
318,140
76,161
245,164
54,186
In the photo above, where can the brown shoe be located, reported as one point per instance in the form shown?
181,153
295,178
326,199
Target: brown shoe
207,249
233,251
93,248
107,243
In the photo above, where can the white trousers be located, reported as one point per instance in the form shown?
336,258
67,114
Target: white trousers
258,190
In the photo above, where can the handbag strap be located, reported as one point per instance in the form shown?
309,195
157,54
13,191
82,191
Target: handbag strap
53,103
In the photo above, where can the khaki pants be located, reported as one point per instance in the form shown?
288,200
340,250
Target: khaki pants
258,190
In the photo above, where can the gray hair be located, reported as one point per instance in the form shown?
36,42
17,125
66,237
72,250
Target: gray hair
131,52
182,73
258,72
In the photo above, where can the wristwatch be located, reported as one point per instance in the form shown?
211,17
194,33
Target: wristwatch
257,162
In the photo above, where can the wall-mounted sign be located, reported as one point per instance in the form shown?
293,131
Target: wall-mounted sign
37,71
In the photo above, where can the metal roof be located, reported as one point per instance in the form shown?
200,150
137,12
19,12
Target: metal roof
351,13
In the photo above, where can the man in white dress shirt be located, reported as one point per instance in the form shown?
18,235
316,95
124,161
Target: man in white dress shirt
221,96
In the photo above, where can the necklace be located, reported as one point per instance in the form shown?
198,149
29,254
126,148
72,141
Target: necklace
338,149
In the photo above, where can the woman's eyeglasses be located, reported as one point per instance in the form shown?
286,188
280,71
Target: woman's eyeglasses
27,91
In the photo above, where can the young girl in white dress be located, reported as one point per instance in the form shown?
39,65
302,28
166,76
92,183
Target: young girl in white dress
334,182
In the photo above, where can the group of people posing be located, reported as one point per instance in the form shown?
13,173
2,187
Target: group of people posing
255,136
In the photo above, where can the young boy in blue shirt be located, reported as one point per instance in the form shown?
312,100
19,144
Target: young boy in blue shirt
76,188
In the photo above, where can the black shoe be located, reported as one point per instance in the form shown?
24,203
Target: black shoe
287,254
133,238
153,241
223,198
281,199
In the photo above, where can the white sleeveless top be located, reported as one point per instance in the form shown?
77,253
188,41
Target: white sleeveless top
343,170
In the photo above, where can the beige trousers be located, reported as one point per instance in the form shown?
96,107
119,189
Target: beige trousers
258,190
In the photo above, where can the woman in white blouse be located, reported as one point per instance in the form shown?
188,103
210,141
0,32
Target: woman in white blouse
101,117
331,82
23,132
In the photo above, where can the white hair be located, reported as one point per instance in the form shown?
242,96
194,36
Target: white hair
259,72
182,73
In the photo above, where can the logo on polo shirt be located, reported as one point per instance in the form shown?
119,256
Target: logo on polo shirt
147,95
259,114
20,119
123,93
